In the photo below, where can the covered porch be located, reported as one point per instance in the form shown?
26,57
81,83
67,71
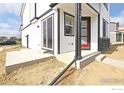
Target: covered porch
66,28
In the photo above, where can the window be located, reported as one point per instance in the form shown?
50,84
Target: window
105,28
68,24
106,5
47,30
118,37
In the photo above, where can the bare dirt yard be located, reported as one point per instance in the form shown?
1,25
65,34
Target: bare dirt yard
40,73
96,73
116,52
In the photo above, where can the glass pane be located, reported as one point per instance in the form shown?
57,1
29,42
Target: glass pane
83,40
69,25
49,33
44,34
83,24
69,30
83,32
69,20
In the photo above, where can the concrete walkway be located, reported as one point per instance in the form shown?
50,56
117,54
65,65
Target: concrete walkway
114,62
16,59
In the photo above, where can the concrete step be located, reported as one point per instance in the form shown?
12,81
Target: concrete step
111,61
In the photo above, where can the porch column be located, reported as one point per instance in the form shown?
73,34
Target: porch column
78,31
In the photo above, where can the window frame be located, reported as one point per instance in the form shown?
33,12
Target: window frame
65,34
45,19
120,37
105,30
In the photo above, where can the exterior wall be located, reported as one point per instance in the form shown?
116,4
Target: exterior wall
103,14
34,36
31,11
26,15
112,30
113,37
112,27
67,43
42,7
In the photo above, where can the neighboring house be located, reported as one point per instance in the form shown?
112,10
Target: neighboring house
13,38
120,35
52,27
116,33
3,38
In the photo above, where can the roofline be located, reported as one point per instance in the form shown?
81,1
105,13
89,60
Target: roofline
115,22
53,4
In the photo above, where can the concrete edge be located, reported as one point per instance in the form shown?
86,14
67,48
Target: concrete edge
87,60
28,63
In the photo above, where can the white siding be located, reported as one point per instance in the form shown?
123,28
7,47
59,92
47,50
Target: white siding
103,14
26,15
42,7
34,36
112,27
32,11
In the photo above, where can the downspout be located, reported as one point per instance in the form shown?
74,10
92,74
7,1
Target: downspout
78,31
77,41
99,28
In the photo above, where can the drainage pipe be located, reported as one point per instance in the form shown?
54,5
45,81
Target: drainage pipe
77,41
55,80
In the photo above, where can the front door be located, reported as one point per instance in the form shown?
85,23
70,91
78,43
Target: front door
85,33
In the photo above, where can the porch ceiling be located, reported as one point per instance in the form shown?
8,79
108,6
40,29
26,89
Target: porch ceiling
86,9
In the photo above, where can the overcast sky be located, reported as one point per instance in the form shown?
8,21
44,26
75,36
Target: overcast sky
10,17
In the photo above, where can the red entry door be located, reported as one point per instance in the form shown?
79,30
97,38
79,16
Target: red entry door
85,33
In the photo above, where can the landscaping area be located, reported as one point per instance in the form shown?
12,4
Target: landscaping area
41,73
116,52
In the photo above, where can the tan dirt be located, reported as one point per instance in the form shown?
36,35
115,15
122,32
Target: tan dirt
116,52
96,73
38,74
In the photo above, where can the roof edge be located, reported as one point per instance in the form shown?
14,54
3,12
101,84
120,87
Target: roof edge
53,4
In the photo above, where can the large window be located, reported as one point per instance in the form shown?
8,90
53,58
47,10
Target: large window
47,25
68,24
118,37
105,28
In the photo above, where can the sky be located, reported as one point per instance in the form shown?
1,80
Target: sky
10,19
117,13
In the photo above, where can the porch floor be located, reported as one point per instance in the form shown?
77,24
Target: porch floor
16,59
68,57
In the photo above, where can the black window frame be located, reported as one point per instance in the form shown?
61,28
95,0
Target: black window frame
105,34
65,13
118,37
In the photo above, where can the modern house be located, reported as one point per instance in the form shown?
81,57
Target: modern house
116,33
50,27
